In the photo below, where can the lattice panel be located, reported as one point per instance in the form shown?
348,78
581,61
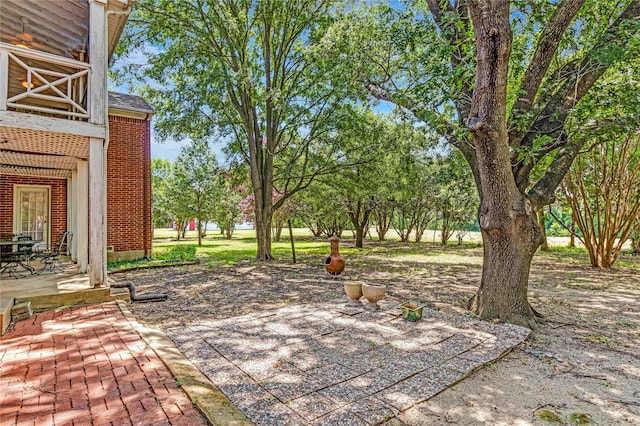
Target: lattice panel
42,142
31,171
33,160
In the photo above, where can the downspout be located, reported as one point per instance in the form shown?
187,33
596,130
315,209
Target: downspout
105,146
146,185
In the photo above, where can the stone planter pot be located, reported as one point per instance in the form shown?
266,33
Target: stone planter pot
353,291
373,293
412,310
334,263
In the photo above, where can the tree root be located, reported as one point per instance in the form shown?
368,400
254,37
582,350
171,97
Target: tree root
531,321
536,313
266,258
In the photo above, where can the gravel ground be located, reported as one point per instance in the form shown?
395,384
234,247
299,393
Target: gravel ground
582,366
329,363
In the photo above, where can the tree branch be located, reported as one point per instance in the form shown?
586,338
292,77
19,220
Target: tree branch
554,115
538,66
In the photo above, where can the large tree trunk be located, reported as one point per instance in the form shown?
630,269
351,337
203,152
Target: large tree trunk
509,246
262,185
261,168
263,234
507,219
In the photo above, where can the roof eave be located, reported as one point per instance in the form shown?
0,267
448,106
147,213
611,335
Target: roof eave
131,112
119,20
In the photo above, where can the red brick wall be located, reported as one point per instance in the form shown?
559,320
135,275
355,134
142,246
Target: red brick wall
58,219
129,184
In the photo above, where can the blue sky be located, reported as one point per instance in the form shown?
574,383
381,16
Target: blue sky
168,150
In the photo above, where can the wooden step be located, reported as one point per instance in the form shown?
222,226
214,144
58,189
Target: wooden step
21,311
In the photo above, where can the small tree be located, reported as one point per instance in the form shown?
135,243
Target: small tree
383,215
455,199
160,210
228,204
177,202
280,217
406,182
602,185
195,171
365,142
603,191
544,246
321,211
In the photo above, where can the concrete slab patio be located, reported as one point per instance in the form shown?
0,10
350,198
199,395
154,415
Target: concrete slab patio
86,366
66,287
331,364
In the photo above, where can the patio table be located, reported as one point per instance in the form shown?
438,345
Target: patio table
15,259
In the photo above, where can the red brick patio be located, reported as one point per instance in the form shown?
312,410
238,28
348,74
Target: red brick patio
86,366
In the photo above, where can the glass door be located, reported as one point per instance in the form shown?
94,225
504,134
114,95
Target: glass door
31,212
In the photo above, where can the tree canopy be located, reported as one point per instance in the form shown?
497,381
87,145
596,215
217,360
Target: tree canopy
251,70
502,81
499,80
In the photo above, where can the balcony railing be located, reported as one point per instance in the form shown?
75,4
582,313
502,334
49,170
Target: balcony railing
43,83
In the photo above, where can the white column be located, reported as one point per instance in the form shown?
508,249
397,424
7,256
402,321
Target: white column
98,61
97,107
97,237
4,79
72,214
81,236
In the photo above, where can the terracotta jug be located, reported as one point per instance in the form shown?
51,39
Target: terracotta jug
334,263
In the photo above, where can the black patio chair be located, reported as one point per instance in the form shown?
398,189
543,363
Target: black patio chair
25,251
51,258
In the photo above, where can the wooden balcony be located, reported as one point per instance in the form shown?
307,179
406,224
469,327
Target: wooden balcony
43,83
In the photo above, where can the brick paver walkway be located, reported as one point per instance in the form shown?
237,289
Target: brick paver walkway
86,366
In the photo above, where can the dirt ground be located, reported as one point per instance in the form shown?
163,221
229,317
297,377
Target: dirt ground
580,367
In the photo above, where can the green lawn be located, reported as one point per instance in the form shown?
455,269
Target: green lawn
242,246
215,249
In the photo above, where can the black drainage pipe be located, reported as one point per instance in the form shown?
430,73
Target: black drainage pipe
132,293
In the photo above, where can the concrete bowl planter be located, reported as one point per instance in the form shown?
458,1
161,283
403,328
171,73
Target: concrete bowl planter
353,291
373,293
412,310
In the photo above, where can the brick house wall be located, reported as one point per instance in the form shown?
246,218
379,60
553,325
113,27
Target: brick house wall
129,226
58,217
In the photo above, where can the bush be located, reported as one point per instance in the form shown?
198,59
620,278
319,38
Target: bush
176,252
